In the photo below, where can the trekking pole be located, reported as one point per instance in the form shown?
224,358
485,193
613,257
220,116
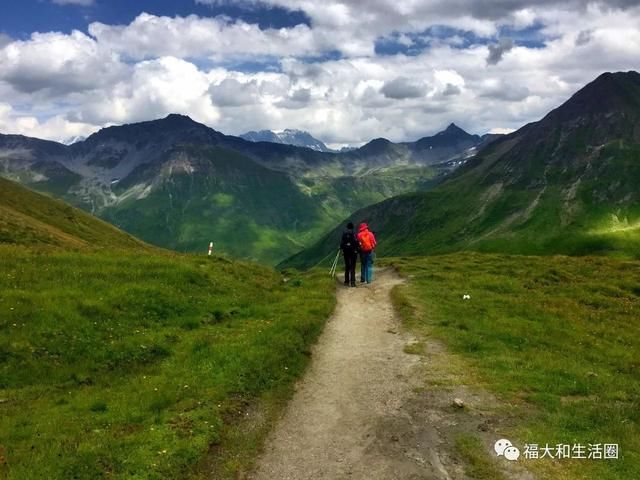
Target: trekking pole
334,265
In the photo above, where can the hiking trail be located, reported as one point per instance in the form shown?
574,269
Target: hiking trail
347,418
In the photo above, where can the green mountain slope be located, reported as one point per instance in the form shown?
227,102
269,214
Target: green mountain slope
196,194
569,183
30,218
118,360
200,194
180,184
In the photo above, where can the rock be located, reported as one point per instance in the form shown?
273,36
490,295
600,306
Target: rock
394,438
592,374
458,403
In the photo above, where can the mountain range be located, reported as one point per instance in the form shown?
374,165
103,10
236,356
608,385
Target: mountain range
179,184
298,138
567,184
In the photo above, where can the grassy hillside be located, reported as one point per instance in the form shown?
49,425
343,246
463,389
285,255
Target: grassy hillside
556,338
122,365
30,218
118,360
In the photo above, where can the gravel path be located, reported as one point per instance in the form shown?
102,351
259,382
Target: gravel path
336,424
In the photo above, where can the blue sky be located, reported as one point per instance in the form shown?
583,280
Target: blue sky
399,69
21,18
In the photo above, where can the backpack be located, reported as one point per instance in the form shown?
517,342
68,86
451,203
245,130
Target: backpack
366,242
349,241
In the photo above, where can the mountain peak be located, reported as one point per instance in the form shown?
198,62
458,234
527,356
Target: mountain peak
610,92
179,119
452,129
172,128
375,146
288,136
452,135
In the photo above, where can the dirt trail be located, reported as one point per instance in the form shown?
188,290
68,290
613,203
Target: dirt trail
348,417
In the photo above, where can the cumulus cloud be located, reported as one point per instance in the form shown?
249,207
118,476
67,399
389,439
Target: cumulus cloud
55,128
155,89
298,98
232,93
503,90
402,87
192,36
497,50
158,65
58,64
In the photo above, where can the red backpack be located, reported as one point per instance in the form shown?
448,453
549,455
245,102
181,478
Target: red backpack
366,241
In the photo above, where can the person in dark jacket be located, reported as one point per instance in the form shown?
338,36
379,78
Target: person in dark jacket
350,247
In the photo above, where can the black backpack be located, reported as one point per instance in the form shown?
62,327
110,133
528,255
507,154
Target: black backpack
349,242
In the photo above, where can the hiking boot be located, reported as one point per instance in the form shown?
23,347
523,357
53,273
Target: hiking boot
353,284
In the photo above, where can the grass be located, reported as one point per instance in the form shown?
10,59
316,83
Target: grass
556,338
30,218
118,364
479,467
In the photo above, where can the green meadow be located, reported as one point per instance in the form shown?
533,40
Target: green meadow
557,339
123,364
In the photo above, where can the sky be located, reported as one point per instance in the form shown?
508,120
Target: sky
347,71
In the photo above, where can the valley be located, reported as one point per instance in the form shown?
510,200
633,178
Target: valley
178,184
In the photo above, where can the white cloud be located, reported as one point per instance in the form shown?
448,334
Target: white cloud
55,128
58,64
220,38
154,66
155,89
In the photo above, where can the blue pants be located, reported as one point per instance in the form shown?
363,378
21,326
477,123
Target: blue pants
367,266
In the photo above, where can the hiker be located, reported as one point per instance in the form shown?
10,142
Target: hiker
367,242
349,246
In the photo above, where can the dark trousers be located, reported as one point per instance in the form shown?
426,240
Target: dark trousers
350,268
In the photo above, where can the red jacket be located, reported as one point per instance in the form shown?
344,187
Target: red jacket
366,238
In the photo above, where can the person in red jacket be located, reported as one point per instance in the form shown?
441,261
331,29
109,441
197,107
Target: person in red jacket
367,242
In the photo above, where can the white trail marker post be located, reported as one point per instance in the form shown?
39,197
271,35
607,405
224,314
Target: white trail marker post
210,248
